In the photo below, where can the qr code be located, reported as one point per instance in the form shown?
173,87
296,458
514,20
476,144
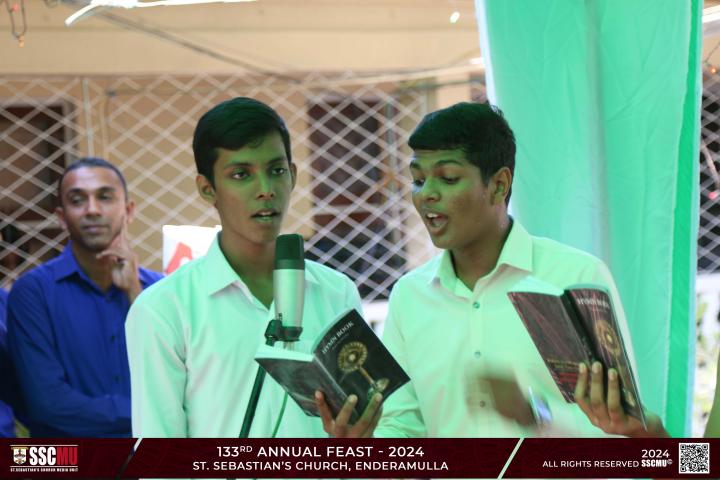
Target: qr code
694,458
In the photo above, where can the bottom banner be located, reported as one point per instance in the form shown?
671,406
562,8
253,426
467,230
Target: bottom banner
370,458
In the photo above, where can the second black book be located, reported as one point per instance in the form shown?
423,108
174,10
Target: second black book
576,325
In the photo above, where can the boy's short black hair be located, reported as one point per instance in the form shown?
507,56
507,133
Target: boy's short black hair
479,130
232,125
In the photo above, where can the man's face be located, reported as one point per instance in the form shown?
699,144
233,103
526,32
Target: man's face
93,208
251,192
449,194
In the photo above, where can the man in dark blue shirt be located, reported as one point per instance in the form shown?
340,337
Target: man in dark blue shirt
66,318
7,423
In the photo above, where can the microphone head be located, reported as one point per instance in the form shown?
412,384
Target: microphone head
289,252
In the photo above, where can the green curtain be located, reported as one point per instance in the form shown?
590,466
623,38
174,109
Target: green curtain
604,98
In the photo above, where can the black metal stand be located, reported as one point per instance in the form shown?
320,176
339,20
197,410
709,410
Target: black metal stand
275,332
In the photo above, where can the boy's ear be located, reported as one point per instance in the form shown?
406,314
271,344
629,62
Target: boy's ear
293,174
205,189
502,180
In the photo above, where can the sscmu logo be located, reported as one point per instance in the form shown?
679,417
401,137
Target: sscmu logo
44,458
19,454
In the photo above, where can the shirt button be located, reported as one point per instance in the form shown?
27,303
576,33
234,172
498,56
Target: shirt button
476,305
112,338
482,403
117,378
477,354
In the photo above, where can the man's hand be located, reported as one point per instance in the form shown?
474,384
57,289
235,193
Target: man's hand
607,413
509,400
123,266
339,427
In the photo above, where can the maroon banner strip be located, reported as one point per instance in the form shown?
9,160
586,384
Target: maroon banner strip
320,458
367,458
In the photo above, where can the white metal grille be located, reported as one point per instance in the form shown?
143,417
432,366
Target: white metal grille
41,127
708,282
709,235
349,136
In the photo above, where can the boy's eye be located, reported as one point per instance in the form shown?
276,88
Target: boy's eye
239,174
279,171
417,183
450,180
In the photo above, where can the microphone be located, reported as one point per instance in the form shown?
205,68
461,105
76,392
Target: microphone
289,296
289,284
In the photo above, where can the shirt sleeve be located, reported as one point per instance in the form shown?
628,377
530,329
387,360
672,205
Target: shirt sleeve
50,400
401,416
156,354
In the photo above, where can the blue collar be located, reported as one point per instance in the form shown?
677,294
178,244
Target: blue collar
65,265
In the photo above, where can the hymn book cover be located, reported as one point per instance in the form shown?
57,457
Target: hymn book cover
348,358
572,326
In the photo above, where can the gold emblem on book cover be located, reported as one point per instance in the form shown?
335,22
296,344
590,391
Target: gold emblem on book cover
352,357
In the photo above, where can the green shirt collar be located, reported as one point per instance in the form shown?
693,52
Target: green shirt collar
220,274
517,252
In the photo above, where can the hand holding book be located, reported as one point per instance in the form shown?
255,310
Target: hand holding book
339,427
572,326
606,411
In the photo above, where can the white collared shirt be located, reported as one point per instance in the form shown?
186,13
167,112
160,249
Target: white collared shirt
448,338
191,342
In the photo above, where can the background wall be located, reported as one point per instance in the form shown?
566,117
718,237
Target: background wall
351,78
267,35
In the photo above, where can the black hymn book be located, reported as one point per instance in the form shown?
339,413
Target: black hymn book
347,358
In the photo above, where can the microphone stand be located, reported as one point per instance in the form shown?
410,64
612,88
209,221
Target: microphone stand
275,332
